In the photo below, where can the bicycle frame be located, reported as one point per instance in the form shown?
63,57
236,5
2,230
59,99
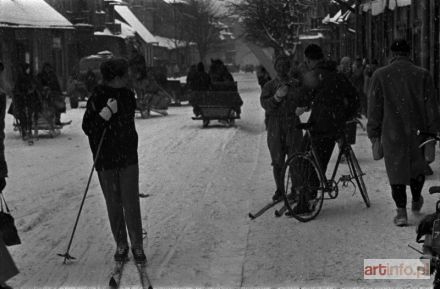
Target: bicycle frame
327,182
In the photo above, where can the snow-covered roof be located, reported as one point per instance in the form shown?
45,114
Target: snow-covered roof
174,1
31,14
378,6
170,43
126,31
224,34
311,36
335,18
132,20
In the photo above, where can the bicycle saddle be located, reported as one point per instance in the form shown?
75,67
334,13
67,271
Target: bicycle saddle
305,126
434,190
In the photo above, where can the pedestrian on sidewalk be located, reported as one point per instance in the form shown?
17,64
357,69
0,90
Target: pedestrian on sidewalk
50,87
26,103
7,265
283,138
111,107
401,101
357,79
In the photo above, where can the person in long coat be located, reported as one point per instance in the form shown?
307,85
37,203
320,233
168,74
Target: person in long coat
401,101
48,82
26,103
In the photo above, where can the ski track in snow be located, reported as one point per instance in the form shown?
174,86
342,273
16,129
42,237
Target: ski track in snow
202,185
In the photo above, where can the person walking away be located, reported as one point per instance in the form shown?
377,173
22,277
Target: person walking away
140,84
283,138
402,100
262,75
111,108
26,104
8,269
201,80
368,74
332,100
357,79
49,85
190,76
200,84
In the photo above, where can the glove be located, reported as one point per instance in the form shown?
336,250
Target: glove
300,110
2,184
113,105
110,109
281,92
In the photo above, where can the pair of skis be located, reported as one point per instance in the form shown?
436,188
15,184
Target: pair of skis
115,279
278,213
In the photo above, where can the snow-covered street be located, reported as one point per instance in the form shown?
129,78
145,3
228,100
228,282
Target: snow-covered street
202,185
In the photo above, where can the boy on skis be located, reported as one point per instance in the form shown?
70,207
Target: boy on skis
110,114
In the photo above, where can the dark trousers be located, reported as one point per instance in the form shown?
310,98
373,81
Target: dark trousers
323,147
399,191
283,140
121,192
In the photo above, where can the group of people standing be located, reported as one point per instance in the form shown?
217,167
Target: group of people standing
398,100
200,80
36,96
315,85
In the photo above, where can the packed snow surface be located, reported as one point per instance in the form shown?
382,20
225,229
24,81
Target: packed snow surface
202,185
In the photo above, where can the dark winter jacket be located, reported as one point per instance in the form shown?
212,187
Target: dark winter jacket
119,148
402,100
333,101
284,111
49,80
201,81
285,108
25,95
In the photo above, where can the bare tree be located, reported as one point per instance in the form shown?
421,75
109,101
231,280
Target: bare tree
203,29
273,23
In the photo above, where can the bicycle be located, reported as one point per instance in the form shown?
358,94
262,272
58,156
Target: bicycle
305,183
430,226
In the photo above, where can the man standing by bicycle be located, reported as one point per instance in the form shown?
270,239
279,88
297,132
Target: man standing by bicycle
401,101
283,138
332,100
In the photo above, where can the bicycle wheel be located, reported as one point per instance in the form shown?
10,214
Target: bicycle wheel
303,188
357,174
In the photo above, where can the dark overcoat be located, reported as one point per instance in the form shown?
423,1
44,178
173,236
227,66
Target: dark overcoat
401,101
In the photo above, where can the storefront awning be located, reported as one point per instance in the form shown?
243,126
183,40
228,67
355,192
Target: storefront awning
132,20
31,14
378,6
399,3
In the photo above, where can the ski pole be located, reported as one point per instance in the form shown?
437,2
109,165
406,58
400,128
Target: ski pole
66,255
